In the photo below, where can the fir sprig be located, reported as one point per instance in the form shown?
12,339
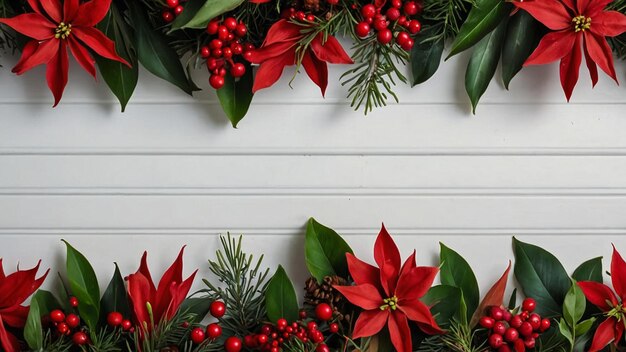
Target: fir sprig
459,338
445,16
105,340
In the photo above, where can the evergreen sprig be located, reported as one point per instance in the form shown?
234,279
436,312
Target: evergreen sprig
106,340
618,44
445,16
459,338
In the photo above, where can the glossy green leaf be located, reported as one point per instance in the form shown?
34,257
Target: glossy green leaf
483,18
84,285
542,277
209,9
574,306
155,53
513,299
115,298
280,298
584,326
42,303
236,95
456,272
120,78
522,36
483,63
198,306
325,251
564,329
425,55
591,270
191,9
443,301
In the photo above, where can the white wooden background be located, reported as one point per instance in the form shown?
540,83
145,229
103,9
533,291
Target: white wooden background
171,171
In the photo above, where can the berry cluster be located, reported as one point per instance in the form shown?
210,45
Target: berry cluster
224,46
292,14
391,21
115,319
68,324
272,337
213,331
174,9
518,332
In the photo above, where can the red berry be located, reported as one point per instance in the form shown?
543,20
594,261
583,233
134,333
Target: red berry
408,45
410,8
57,316
392,14
249,341
213,331
402,21
529,343
499,328
362,29
73,301
332,2
114,319
217,309
380,24
205,52
535,321
126,325
486,322
302,314
72,320
525,329
212,27
516,321
79,338
300,16
545,324
236,48
241,30
230,23
171,3
511,334
368,11
281,324
227,53
518,345
414,26
168,16
316,336
324,312
222,32
497,313
402,38
266,329
63,329
232,344
495,341
504,348
529,305
311,326
216,53
322,348
261,339
506,315
216,81
385,36
197,336
333,328
178,10
396,3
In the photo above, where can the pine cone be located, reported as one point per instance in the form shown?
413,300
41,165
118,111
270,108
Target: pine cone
312,5
316,293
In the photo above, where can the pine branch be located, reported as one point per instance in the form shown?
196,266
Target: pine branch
459,338
446,16
106,340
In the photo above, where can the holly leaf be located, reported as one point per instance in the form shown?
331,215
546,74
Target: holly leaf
84,285
483,63
236,95
425,55
522,37
483,18
456,272
115,298
42,303
494,297
280,298
120,78
591,270
203,11
325,251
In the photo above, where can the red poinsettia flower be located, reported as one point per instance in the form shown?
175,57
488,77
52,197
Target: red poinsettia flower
280,50
575,24
164,299
611,329
389,294
14,290
55,26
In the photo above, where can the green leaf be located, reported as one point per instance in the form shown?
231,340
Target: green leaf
513,299
522,36
542,277
280,298
84,286
425,55
564,329
456,272
483,63
325,251
114,298
198,306
42,303
236,96
191,9
201,15
574,305
155,53
483,18
591,270
120,78
444,302
584,326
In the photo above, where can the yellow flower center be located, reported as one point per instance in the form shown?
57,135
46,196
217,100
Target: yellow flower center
581,23
390,303
63,31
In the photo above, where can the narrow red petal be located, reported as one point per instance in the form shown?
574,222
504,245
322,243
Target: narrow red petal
330,50
608,23
604,335
145,271
416,282
364,296
8,342
361,272
27,51
283,31
417,311
387,257
20,285
598,294
369,323
98,42
551,13
70,9
2,275
570,68
619,332
266,52
270,71
139,294
600,53
400,333
591,66
32,25
44,52
83,57
53,9
91,13
316,69
57,72
36,6
178,293
569,4
173,276
553,46
15,316
581,6
595,7
618,274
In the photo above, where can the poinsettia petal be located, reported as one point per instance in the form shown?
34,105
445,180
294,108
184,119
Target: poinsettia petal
70,9
598,294
365,296
32,25
270,71
604,335
569,4
361,272
570,68
2,275
82,56
145,271
316,69
283,31
608,24
53,9
330,50
44,52
173,276
600,53
15,316
266,52
8,342
57,72
399,332
98,42
387,257
90,13
595,7
417,311
618,274
178,293
553,46
551,13
369,323
27,51
591,66
20,285
36,6
416,282
619,332
139,294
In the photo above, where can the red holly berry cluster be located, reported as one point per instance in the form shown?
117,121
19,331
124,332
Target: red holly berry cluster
508,332
115,319
224,45
68,324
292,14
214,330
272,337
174,9
391,21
